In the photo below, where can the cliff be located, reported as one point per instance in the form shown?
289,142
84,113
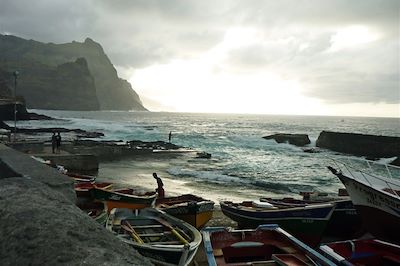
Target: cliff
360,144
71,76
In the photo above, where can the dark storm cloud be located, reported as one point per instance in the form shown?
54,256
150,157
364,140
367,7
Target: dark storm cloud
144,32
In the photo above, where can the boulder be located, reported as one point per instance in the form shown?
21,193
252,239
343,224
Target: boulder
40,227
294,139
360,144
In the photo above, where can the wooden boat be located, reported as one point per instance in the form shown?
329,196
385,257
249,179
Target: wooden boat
365,252
189,208
344,223
82,178
83,189
96,210
162,238
307,223
266,245
124,198
376,198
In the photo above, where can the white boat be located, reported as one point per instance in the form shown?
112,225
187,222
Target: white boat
376,197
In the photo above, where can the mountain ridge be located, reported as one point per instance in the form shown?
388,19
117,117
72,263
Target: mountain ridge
98,81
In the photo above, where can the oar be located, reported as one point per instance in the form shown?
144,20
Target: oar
173,231
128,227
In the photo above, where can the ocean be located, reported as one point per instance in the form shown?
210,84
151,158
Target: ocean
243,164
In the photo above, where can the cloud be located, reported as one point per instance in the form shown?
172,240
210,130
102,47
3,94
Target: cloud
304,40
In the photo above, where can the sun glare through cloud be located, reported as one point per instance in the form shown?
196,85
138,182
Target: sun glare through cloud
352,36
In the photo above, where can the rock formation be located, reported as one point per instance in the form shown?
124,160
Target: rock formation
294,139
360,144
41,225
71,76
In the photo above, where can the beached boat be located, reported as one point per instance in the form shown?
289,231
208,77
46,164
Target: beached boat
162,238
78,178
96,210
307,223
344,223
124,198
189,208
375,197
83,189
266,245
362,252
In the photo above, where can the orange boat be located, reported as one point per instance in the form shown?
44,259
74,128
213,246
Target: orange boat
189,208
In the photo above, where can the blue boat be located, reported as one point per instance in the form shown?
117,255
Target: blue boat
307,223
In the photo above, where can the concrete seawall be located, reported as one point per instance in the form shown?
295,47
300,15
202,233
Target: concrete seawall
40,224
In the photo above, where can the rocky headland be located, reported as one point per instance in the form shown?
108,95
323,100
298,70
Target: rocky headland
70,76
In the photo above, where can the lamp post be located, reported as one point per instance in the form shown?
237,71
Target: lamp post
15,74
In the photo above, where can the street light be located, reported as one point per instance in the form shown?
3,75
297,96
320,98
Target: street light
15,74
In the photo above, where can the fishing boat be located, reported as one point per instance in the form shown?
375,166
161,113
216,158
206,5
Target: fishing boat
344,223
124,198
375,197
307,223
362,252
83,189
96,210
189,208
265,245
78,178
162,238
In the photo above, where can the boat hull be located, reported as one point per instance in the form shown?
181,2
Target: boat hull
114,199
367,252
198,220
380,212
260,246
307,225
189,208
344,223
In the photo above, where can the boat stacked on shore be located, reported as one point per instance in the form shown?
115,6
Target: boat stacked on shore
162,238
265,245
305,222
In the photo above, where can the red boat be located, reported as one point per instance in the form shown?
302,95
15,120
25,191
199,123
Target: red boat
365,252
266,245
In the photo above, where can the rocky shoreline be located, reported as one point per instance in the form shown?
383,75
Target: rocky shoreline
372,146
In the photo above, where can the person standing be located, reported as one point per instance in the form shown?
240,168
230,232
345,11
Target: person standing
160,186
58,142
170,136
53,142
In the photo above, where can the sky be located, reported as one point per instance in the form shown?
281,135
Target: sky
302,57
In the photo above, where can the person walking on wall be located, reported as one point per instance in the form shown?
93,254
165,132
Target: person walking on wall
58,142
160,186
53,142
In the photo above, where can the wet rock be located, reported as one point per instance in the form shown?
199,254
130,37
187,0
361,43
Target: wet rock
294,139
